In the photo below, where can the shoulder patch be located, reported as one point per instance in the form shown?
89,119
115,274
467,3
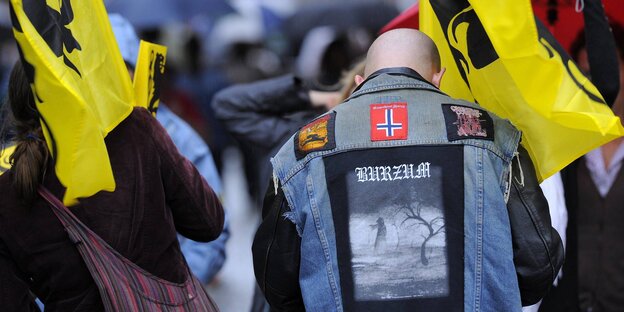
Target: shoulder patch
464,122
316,136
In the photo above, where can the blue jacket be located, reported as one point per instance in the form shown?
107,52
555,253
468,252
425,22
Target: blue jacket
204,259
399,197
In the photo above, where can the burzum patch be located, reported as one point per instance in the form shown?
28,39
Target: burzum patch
316,136
393,173
398,220
464,122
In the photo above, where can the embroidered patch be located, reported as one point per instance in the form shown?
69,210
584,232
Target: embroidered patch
463,122
388,121
318,135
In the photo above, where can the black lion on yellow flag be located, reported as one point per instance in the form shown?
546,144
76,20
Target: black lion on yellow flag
52,26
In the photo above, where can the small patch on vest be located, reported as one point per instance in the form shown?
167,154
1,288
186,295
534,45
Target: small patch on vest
388,121
464,122
316,136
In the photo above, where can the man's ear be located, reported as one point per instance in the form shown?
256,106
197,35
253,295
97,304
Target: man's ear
437,77
358,80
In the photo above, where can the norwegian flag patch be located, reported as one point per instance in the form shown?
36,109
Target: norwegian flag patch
388,121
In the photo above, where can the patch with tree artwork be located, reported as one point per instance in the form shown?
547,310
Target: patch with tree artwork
398,216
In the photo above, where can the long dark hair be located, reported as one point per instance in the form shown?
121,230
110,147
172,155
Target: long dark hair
31,153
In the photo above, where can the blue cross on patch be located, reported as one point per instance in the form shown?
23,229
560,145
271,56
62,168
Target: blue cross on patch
389,126
388,121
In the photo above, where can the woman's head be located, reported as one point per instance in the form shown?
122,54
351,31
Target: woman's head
31,153
21,100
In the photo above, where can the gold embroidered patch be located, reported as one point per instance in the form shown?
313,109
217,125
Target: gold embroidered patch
318,135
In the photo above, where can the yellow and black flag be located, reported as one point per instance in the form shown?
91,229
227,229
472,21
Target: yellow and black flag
5,155
81,86
498,55
148,75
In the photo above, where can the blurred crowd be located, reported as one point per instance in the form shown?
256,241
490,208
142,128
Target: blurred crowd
215,44
299,52
249,73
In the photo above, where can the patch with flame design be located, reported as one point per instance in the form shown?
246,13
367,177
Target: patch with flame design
316,136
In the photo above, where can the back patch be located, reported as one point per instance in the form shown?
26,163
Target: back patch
316,136
464,122
398,216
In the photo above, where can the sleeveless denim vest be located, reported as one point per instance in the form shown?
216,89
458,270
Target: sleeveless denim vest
399,196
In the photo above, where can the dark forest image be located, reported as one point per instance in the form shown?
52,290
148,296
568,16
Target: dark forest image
398,241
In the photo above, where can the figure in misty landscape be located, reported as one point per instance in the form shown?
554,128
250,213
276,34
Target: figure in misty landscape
380,239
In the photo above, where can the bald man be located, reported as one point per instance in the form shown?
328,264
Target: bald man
404,199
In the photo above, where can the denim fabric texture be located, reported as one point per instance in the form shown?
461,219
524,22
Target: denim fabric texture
490,282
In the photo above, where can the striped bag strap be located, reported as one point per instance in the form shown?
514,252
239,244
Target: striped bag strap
123,285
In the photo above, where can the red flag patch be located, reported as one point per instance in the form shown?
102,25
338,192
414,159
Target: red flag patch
388,121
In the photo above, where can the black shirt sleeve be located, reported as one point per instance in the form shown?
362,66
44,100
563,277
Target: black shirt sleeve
277,254
538,250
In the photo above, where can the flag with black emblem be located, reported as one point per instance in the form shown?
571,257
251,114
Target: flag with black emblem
148,75
81,85
498,55
5,156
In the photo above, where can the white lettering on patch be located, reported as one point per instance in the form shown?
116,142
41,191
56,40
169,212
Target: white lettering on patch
393,173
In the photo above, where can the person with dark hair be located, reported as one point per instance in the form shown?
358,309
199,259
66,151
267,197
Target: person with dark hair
158,193
593,275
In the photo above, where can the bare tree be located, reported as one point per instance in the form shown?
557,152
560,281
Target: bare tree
413,211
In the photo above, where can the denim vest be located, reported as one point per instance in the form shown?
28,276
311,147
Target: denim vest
399,196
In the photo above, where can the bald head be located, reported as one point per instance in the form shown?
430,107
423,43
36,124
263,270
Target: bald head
404,48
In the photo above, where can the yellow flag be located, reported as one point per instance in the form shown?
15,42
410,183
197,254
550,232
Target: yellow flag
148,75
80,83
498,55
4,158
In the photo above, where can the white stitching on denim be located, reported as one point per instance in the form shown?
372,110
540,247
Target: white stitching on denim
521,182
275,182
508,186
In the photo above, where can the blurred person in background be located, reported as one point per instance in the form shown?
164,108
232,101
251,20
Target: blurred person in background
191,84
204,259
593,275
262,115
